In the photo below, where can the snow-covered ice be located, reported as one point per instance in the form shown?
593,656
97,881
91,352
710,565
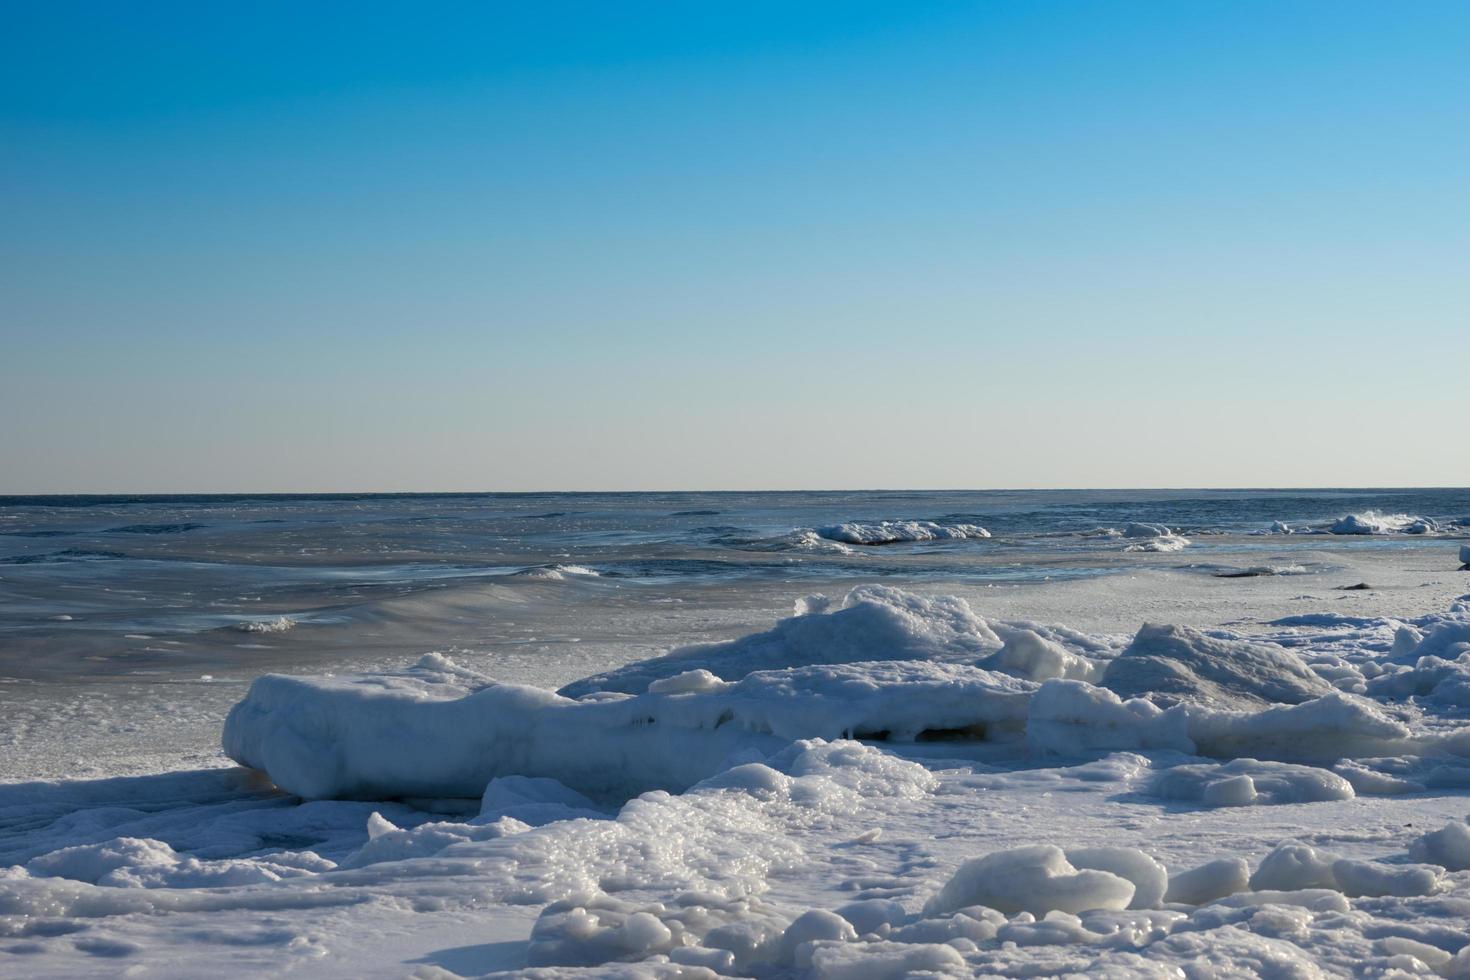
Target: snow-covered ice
886,784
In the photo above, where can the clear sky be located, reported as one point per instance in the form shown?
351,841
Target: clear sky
358,246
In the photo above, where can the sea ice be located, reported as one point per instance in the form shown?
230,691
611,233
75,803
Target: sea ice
1173,663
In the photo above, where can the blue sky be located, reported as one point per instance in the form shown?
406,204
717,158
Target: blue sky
623,246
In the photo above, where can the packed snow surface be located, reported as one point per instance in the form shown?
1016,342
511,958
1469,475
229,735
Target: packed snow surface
886,784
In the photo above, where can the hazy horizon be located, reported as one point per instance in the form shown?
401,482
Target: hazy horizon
651,491
586,248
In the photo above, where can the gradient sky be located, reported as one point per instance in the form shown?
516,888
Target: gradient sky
363,246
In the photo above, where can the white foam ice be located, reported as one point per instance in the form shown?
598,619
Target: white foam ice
557,573
278,625
897,532
1373,522
1157,538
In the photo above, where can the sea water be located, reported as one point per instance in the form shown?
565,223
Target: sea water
92,585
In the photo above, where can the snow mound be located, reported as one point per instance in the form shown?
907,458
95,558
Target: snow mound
1372,522
871,622
1247,782
1150,879
1140,529
1323,730
897,532
1293,866
1032,656
127,862
1072,718
437,730
1209,882
1170,664
388,842
1037,879
1157,538
1449,846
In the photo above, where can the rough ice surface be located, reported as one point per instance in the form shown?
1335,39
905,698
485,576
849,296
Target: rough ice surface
1168,664
884,785
1249,782
871,623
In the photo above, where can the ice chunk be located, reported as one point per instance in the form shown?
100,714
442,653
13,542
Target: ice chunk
1028,654
871,914
1160,545
814,925
1243,782
1294,866
1150,879
885,961
534,800
1153,537
1443,640
1372,522
1209,882
1312,899
1449,846
440,731
872,623
1370,879
1324,730
1035,879
690,682
1174,663
1071,717
389,843
895,532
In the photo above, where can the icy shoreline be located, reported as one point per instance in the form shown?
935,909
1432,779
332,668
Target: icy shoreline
1021,799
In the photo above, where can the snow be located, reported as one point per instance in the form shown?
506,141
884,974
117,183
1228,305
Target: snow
439,730
1154,537
1208,882
881,785
1037,879
1169,664
1032,656
1247,782
870,623
1372,522
1448,846
1164,544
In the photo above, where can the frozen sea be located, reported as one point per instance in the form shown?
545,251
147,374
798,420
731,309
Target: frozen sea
872,694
